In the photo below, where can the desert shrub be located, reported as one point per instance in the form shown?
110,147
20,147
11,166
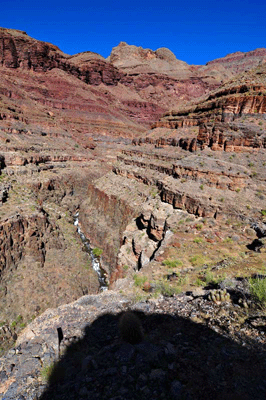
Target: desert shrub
197,260
16,321
139,280
172,263
209,278
263,213
199,282
228,240
97,252
198,240
52,373
257,288
166,289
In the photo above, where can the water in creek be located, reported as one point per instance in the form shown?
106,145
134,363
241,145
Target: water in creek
94,260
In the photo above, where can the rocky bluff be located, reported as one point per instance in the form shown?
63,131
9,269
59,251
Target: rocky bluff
119,96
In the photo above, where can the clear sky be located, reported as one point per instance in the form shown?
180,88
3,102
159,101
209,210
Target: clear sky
196,31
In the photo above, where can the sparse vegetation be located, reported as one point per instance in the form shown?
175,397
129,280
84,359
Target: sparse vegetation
166,289
52,373
2,177
258,290
199,227
139,280
209,278
154,192
17,321
198,240
199,282
228,240
97,252
197,260
172,263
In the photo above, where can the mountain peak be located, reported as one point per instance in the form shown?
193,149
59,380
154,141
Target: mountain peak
132,58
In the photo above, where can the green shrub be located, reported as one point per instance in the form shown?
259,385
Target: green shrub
172,263
139,280
199,282
198,240
97,252
263,212
16,321
197,260
257,288
2,176
199,227
166,289
209,277
228,240
154,192
52,373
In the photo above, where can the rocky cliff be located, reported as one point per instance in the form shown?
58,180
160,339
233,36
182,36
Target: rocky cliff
230,118
87,95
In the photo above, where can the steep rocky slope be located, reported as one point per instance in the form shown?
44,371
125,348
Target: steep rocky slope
162,176
42,260
230,118
90,96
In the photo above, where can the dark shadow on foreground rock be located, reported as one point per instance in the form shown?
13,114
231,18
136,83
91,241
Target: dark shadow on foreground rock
177,359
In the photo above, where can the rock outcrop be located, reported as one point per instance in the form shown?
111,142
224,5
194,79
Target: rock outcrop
230,118
137,60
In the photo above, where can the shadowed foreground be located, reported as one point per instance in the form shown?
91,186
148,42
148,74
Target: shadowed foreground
178,359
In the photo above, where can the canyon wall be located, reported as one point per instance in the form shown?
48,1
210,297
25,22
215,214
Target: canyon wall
103,218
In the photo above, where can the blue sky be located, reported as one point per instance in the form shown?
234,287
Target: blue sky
196,31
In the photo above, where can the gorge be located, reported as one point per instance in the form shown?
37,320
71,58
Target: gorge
165,163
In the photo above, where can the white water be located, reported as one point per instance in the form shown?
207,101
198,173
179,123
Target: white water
94,260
